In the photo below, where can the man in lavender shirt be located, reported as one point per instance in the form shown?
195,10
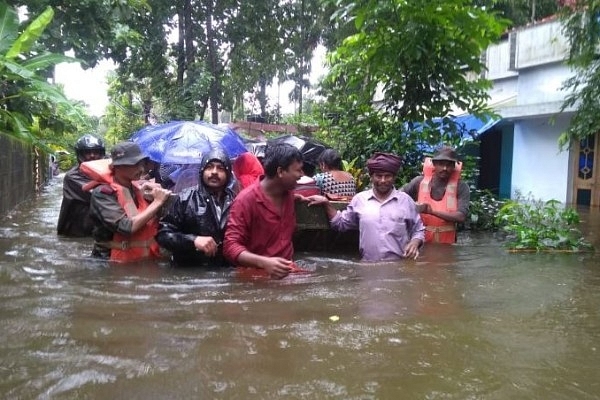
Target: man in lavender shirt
389,224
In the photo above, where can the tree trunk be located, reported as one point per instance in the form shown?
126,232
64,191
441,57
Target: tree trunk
180,47
147,110
262,96
300,76
190,51
212,62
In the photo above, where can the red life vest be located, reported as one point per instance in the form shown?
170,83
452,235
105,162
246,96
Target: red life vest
125,248
436,229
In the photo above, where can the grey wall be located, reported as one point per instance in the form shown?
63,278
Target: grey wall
24,170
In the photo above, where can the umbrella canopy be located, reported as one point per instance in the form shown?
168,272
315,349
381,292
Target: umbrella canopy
257,148
184,142
310,148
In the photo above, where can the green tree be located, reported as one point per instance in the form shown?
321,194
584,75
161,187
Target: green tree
30,107
124,114
582,28
521,12
92,29
302,25
257,53
404,63
424,55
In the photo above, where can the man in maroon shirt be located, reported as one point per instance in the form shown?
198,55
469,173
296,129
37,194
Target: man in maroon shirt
262,218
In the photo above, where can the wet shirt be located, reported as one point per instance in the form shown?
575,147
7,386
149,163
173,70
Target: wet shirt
438,189
108,217
74,219
385,228
257,226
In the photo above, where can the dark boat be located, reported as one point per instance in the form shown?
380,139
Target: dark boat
313,232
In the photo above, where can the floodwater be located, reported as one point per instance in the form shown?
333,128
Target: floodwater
469,321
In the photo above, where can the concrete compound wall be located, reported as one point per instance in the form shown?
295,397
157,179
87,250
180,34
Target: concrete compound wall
24,171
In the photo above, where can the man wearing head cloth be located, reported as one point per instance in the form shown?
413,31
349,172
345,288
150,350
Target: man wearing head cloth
384,162
442,197
193,228
389,224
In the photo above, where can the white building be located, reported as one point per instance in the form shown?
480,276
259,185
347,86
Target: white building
521,153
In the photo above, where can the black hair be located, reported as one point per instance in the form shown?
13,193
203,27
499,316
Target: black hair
308,168
280,155
331,158
220,156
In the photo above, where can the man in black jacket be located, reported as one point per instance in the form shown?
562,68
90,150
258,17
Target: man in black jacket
194,225
74,219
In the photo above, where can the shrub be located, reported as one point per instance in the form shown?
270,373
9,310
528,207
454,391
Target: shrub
537,225
483,211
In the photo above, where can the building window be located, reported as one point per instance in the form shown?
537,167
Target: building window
586,158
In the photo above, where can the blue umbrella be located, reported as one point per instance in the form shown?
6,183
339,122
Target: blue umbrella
184,142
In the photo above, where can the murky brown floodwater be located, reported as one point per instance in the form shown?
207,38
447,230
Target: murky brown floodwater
469,321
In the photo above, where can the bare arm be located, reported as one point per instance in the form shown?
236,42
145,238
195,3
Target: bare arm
451,216
160,196
321,200
276,267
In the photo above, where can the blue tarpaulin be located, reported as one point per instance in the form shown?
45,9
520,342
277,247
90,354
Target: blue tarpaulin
468,126
470,123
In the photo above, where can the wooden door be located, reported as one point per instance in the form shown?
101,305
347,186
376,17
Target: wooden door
586,182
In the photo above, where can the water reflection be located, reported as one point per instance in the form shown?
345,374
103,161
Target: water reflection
464,321
425,287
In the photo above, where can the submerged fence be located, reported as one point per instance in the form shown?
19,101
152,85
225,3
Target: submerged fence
25,170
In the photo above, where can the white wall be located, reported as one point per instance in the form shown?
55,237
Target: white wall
542,84
503,90
539,167
541,43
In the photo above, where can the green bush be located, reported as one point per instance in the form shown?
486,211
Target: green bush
483,211
537,225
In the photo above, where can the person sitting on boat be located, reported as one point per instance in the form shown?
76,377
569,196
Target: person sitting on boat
125,221
389,224
334,182
442,197
193,227
74,219
306,185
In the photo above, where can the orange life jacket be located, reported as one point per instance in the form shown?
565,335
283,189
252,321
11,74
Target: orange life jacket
436,229
124,248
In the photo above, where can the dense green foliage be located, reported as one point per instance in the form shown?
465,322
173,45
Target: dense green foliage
422,56
32,109
521,12
537,225
582,28
419,60
184,58
177,60
483,211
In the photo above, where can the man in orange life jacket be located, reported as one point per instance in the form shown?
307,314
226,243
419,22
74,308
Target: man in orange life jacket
442,198
125,222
